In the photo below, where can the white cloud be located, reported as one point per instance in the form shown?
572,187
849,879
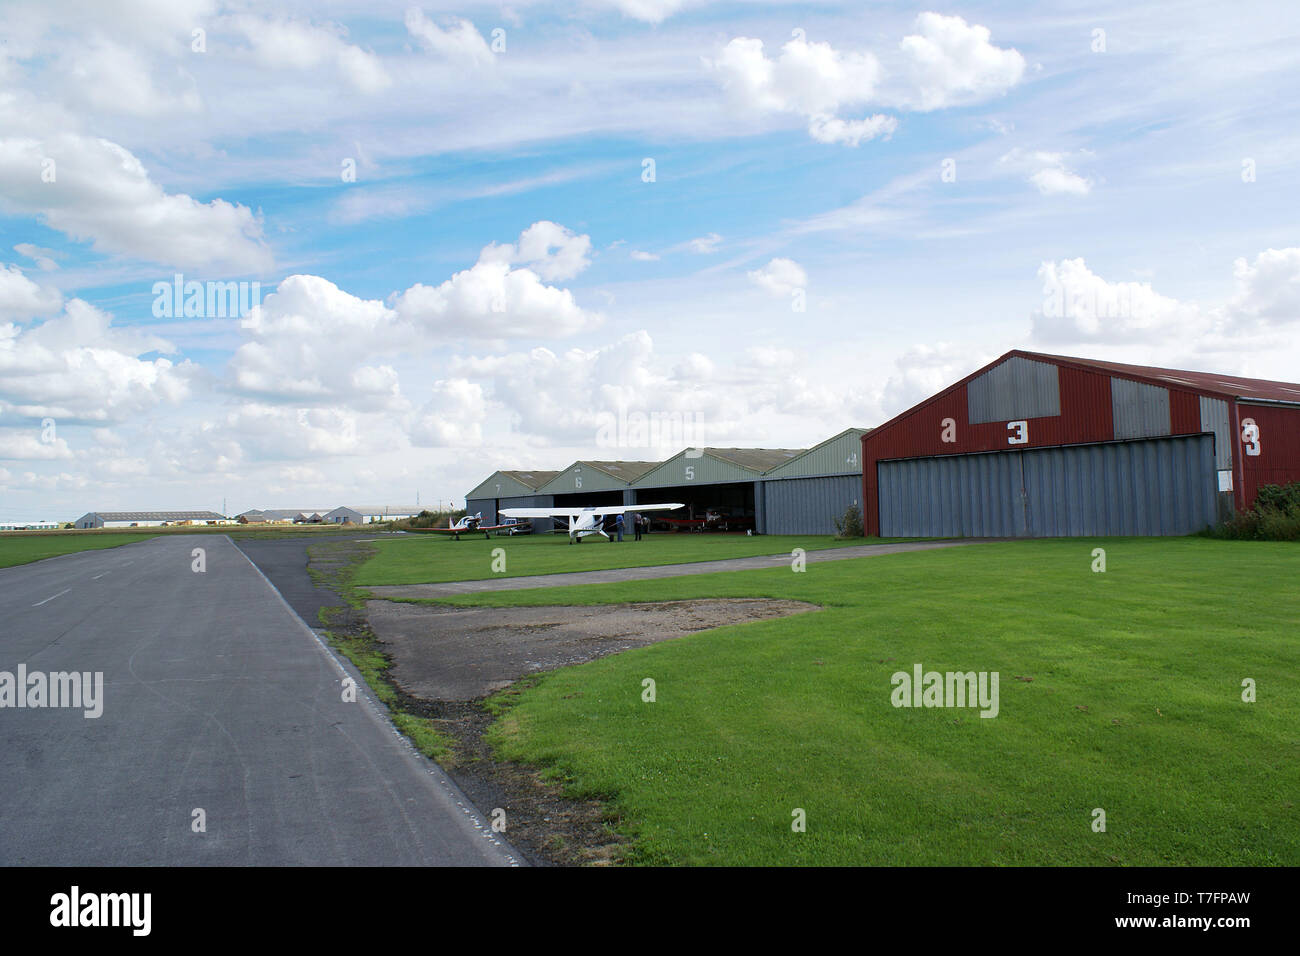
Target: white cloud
705,245
649,11
301,45
640,256
1080,306
949,62
767,356
458,41
310,342
549,249
695,367
453,416
100,192
44,258
1048,172
275,433
810,79
21,298
106,76
1268,290
493,300
829,129
18,444
780,277
806,78
77,367
568,399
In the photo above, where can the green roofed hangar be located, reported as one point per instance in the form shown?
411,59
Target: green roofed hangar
763,490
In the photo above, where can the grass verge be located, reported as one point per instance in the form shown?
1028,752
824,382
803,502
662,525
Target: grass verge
333,565
1119,690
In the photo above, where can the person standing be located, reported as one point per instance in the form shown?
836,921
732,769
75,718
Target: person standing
618,525
637,523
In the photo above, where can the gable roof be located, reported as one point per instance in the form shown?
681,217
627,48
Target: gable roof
533,479
156,516
628,471
808,459
755,459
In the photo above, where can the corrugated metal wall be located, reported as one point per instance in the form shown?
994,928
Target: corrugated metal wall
1277,441
1018,388
1138,410
1152,487
807,505
1214,418
1091,406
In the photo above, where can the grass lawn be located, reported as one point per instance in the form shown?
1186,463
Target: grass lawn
1119,690
432,559
23,548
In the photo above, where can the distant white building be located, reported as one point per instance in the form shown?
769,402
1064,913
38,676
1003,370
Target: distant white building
29,525
370,514
148,519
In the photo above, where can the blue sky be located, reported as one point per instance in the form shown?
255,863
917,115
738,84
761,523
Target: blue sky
853,205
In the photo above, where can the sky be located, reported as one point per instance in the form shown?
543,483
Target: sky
415,244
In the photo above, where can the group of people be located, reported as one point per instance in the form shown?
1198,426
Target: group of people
640,526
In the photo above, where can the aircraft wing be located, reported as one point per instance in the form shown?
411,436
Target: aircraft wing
533,512
569,512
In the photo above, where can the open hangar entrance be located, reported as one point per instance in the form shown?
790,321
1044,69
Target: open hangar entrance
732,504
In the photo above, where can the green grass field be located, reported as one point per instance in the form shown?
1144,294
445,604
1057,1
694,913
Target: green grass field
1119,690
432,559
24,548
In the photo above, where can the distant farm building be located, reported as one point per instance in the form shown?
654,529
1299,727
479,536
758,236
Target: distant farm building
148,519
370,514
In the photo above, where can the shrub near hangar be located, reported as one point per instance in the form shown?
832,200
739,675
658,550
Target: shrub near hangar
1037,445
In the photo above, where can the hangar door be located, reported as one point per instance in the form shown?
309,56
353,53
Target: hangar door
1162,486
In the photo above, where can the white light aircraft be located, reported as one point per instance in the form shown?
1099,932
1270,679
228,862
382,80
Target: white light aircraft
583,521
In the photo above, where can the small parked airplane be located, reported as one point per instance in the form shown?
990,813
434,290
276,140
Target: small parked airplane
583,521
471,524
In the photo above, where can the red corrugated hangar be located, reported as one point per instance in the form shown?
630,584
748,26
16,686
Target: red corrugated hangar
1039,445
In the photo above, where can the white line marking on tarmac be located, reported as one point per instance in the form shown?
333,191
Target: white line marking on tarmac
100,575
52,597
